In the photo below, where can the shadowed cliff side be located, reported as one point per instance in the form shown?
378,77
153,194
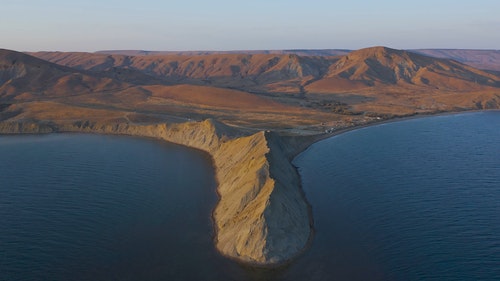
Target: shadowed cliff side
262,217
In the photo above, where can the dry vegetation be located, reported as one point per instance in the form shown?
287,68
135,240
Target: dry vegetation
273,90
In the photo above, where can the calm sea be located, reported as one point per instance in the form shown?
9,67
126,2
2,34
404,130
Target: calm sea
411,200
94,207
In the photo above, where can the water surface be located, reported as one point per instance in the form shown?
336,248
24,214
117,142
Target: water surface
90,207
411,200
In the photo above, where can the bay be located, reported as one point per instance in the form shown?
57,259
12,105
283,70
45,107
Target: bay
411,200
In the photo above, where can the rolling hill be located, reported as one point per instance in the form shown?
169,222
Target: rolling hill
35,89
380,67
481,59
384,80
249,72
376,66
26,77
259,90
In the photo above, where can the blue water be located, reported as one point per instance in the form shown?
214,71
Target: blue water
89,207
411,200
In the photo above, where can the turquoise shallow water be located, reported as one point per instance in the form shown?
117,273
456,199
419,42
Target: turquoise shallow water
411,200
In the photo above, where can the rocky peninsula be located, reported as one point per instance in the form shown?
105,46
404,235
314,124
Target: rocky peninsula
262,217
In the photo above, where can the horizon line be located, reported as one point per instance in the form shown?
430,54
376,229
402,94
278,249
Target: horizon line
255,50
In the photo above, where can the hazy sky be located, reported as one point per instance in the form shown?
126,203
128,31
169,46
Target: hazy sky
65,25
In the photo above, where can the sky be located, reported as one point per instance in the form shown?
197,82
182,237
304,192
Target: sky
92,25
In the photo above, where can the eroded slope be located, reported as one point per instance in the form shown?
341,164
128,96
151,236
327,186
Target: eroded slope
262,217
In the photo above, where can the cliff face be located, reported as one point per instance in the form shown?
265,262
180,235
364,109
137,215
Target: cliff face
262,217
25,128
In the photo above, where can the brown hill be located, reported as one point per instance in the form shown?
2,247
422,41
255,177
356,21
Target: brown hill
365,69
380,68
26,77
376,80
21,73
481,59
31,88
258,72
212,97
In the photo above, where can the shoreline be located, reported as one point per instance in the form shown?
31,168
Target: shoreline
227,147
390,120
299,145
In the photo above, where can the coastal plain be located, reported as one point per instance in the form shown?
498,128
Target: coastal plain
251,111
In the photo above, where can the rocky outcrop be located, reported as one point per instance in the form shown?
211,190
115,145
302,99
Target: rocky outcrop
262,217
26,127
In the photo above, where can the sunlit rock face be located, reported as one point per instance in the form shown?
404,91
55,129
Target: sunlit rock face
262,217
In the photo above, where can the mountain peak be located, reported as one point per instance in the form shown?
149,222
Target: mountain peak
382,67
376,51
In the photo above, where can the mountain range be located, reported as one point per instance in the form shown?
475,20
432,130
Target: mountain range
256,88
481,59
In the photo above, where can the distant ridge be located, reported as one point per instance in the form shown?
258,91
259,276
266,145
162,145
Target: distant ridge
249,72
482,59
373,69
375,79
299,52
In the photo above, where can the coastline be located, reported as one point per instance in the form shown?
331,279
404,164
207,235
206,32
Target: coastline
321,137
213,137
244,246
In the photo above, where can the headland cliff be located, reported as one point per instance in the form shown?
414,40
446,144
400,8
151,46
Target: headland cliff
262,217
